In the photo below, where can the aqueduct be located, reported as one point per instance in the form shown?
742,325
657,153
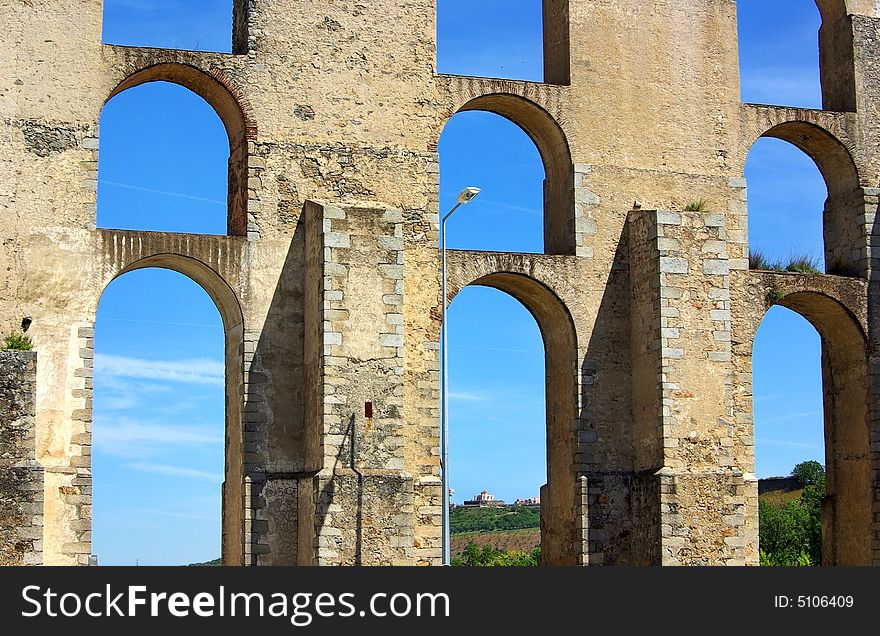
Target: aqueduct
328,279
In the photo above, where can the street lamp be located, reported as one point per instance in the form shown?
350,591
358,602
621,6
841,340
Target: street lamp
465,196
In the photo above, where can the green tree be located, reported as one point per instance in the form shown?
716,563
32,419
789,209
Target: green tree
489,556
809,473
791,533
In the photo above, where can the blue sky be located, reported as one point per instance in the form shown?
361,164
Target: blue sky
158,432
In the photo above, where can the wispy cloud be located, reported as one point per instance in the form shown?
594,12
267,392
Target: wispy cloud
786,442
192,371
168,513
130,438
491,203
787,417
479,348
466,396
175,471
164,193
768,84
779,397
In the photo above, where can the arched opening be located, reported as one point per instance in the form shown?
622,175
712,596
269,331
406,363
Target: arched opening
804,202
500,391
516,153
779,52
192,26
488,39
167,438
793,364
173,154
497,431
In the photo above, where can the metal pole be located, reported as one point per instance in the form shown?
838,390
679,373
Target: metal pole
444,401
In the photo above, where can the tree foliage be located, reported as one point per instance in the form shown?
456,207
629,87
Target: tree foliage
791,533
489,556
809,473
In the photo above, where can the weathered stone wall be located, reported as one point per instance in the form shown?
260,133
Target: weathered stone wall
328,282
21,476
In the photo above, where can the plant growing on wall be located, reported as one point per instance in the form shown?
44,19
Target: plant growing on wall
17,342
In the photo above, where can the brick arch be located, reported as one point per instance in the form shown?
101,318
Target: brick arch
847,511
231,107
227,303
560,511
552,144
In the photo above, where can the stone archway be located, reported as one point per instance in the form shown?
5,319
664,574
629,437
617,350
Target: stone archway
228,306
560,228
845,208
847,509
560,512
240,129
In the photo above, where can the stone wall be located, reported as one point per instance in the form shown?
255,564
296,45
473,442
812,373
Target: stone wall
21,477
328,281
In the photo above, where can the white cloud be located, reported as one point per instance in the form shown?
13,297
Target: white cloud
175,471
124,437
191,371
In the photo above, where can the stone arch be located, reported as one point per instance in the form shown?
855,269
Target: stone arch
829,154
559,509
552,144
232,109
847,510
844,204
228,306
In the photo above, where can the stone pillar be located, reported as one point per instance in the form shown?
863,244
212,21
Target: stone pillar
21,476
363,499
691,492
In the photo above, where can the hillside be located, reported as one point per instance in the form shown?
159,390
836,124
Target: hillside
524,539
493,519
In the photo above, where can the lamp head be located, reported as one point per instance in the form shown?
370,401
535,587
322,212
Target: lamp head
467,195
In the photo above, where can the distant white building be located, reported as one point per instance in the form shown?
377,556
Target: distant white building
484,500
531,501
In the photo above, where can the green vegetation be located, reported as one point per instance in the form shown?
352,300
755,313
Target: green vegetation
474,556
775,295
791,532
696,206
803,263
758,260
17,342
491,519
215,562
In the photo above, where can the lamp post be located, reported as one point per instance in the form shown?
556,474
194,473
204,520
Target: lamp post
465,196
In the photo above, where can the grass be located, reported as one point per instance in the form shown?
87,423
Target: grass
696,206
17,342
781,497
803,264
797,263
